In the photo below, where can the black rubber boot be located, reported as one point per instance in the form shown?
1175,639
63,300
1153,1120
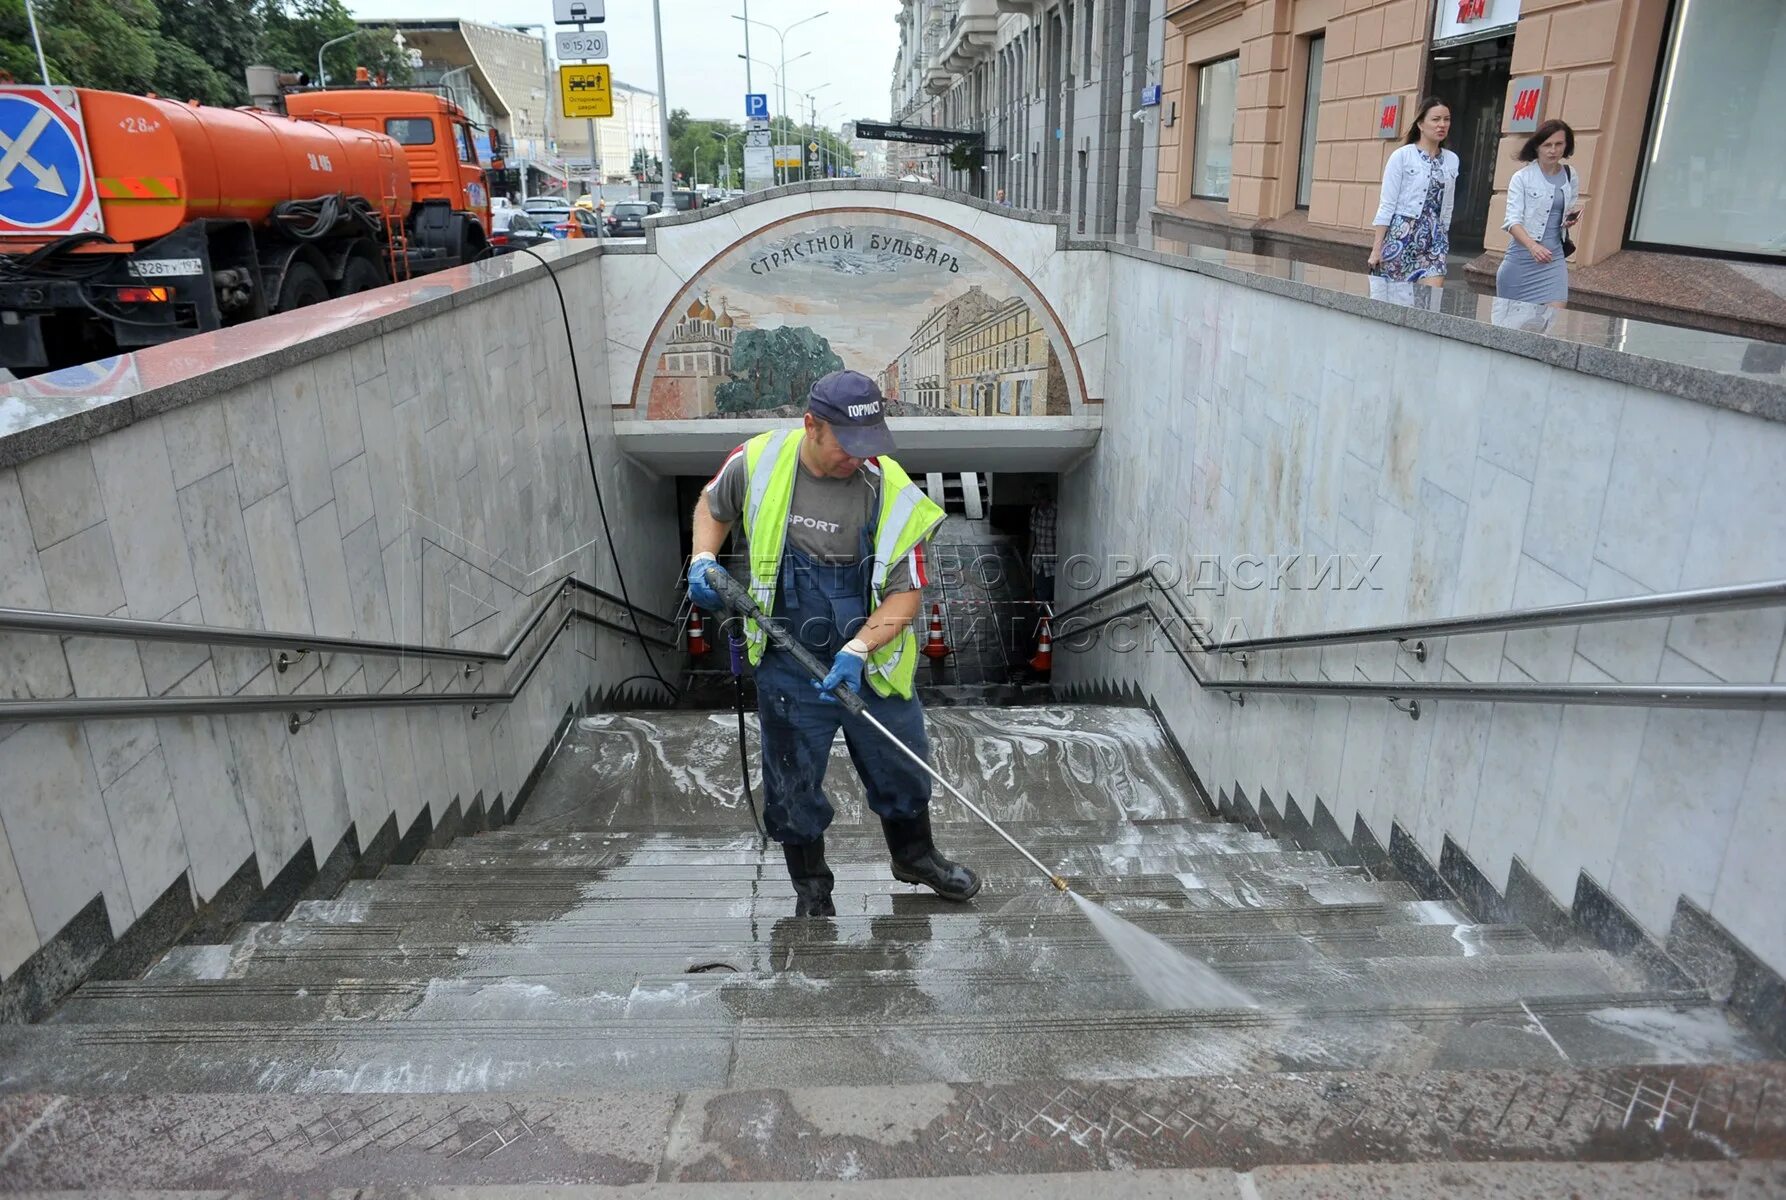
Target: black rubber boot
812,879
917,860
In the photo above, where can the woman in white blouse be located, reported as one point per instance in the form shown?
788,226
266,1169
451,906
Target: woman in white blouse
1412,229
1543,201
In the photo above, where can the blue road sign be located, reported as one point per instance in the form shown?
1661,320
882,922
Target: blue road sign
756,106
41,173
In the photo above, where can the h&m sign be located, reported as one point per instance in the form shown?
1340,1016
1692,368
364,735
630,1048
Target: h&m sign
1527,110
1468,20
1389,112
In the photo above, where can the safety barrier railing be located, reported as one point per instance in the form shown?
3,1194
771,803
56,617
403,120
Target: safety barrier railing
1071,626
293,648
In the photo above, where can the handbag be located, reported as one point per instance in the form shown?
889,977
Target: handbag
1568,242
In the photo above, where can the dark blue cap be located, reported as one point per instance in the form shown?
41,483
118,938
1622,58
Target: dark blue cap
851,404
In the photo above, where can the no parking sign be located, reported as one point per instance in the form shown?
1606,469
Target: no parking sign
46,176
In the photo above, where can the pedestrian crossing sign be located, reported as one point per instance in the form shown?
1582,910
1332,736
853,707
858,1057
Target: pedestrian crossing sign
586,90
46,175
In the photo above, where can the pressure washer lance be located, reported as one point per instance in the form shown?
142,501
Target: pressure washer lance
739,601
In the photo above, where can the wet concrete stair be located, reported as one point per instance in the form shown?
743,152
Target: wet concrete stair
635,941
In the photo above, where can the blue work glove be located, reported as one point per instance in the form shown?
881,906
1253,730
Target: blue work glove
699,590
846,668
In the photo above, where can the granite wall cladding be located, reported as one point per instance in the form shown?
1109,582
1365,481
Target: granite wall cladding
424,484
1244,423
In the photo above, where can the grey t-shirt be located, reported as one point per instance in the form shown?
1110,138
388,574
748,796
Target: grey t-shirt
825,519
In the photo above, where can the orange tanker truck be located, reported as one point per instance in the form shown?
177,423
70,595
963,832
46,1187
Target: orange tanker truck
126,221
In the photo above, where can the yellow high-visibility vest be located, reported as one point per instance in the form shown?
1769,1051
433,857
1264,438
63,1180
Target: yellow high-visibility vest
907,517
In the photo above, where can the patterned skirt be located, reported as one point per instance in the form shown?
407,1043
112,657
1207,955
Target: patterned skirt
1415,247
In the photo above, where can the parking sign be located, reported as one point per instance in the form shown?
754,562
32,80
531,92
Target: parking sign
756,106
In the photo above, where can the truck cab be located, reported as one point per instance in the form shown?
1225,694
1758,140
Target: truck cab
435,135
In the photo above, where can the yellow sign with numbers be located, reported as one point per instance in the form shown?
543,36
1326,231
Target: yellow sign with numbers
585,90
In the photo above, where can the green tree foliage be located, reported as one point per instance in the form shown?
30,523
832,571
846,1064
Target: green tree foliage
774,367
189,49
704,145
646,166
17,58
98,43
203,47
292,31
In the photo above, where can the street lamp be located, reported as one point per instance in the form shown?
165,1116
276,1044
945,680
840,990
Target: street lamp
322,75
781,37
780,80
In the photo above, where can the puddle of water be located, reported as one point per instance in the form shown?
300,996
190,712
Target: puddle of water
1170,977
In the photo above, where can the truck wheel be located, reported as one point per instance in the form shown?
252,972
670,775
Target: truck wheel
362,275
303,287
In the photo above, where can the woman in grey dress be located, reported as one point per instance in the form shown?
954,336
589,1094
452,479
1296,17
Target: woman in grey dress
1543,200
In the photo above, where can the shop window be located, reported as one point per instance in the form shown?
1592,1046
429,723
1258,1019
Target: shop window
1214,147
1311,111
1714,169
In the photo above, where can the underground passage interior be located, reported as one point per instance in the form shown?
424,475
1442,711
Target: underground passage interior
1386,801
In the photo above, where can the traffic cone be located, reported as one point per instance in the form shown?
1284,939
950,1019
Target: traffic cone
934,644
1043,661
697,634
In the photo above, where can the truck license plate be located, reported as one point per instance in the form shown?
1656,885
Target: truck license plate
163,268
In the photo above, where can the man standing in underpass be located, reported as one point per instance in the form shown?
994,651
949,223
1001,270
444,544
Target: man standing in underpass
836,533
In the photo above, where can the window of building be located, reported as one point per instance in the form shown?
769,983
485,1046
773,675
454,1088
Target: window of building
1214,147
1311,111
1090,28
1714,171
1025,390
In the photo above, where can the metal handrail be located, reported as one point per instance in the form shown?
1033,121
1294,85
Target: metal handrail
21,620
1693,601
1406,696
1690,602
303,706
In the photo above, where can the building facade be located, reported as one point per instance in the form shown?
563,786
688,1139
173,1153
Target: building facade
1058,88
998,363
1283,111
501,77
695,362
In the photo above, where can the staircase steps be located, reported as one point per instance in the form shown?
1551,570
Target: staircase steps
630,956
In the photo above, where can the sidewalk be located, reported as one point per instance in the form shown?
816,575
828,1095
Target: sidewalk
1739,299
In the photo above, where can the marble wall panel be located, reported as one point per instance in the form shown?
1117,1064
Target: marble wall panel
18,938
137,482
61,494
1494,482
62,842
299,501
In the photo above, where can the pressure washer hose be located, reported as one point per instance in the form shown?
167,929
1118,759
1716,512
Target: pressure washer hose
740,602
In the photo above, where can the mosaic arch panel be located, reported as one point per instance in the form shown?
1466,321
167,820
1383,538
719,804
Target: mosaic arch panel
939,319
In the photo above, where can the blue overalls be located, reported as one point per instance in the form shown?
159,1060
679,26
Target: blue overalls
823,606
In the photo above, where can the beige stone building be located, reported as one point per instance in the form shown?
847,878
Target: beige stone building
1282,112
998,363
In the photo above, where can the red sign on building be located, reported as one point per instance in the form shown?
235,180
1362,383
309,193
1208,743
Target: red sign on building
1528,104
1389,110
1471,10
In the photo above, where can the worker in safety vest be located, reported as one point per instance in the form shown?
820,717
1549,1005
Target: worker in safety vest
836,534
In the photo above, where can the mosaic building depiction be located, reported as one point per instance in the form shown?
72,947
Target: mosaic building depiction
945,327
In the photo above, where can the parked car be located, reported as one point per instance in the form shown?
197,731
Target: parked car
511,228
580,222
550,212
686,199
627,218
